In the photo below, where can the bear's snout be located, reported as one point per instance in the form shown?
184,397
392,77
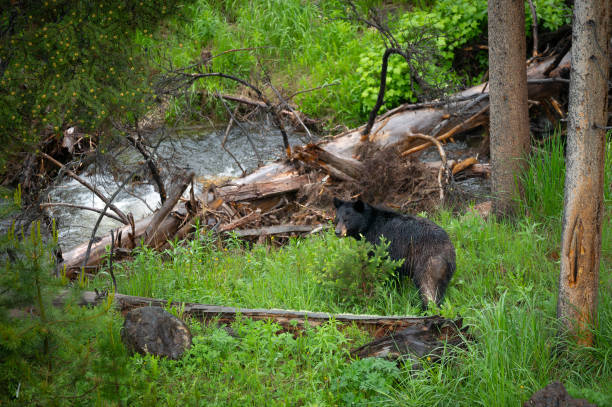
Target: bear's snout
340,230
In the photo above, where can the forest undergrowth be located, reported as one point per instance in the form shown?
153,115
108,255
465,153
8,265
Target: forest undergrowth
504,289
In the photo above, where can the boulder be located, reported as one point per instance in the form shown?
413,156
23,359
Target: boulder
154,330
555,395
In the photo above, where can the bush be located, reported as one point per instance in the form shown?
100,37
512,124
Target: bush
367,380
357,271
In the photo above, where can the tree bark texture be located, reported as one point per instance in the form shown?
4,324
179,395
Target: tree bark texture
509,117
584,178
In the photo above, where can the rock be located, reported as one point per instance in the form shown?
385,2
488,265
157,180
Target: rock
154,330
555,395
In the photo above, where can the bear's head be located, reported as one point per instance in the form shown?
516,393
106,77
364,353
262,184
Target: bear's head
351,218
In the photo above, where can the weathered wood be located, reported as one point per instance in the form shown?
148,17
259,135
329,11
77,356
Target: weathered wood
258,190
276,230
241,221
462,165
166,208
343,168
288,319
474,170
392,127
73,259
583,208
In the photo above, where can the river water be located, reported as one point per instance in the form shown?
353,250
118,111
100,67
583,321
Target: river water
195,148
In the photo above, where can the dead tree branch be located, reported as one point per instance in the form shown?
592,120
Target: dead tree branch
87,208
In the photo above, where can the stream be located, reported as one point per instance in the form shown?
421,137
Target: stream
196,148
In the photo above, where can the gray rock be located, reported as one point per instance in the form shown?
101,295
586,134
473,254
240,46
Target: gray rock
555,395
154,330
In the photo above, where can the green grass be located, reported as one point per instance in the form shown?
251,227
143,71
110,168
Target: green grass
504,288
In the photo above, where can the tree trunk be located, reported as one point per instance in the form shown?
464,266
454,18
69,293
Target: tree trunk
508,97
583,204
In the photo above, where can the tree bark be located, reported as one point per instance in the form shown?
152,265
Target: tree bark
509,116
584,177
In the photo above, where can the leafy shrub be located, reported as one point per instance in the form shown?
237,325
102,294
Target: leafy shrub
357,270
366,381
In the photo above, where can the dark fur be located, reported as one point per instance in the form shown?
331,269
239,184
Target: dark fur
429,255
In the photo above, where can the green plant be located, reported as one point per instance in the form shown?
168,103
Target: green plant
456,23
358,271
367,380
72,64
544,179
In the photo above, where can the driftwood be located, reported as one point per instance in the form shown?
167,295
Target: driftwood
152,231
342,168
378,326
259,190
276,230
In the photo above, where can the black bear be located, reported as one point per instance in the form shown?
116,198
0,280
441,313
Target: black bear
429,255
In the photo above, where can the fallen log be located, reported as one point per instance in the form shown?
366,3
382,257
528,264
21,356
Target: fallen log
291,321
342,168
73,259
258,190
276,230
394,126
152,231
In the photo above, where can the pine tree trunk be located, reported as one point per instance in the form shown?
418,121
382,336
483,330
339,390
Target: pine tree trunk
583,204
508,97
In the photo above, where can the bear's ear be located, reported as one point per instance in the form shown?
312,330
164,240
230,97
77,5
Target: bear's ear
337,202
359,206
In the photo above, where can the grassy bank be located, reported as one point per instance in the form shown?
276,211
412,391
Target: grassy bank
504,288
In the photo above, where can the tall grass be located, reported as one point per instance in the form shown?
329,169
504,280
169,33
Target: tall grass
544,179
504,288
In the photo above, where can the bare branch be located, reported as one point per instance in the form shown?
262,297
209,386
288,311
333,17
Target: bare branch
534,17
87,208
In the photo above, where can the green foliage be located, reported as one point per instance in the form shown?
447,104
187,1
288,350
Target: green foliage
368,380
357,271
66,63
457,23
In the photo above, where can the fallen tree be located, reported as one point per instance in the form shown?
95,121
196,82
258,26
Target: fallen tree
291,321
